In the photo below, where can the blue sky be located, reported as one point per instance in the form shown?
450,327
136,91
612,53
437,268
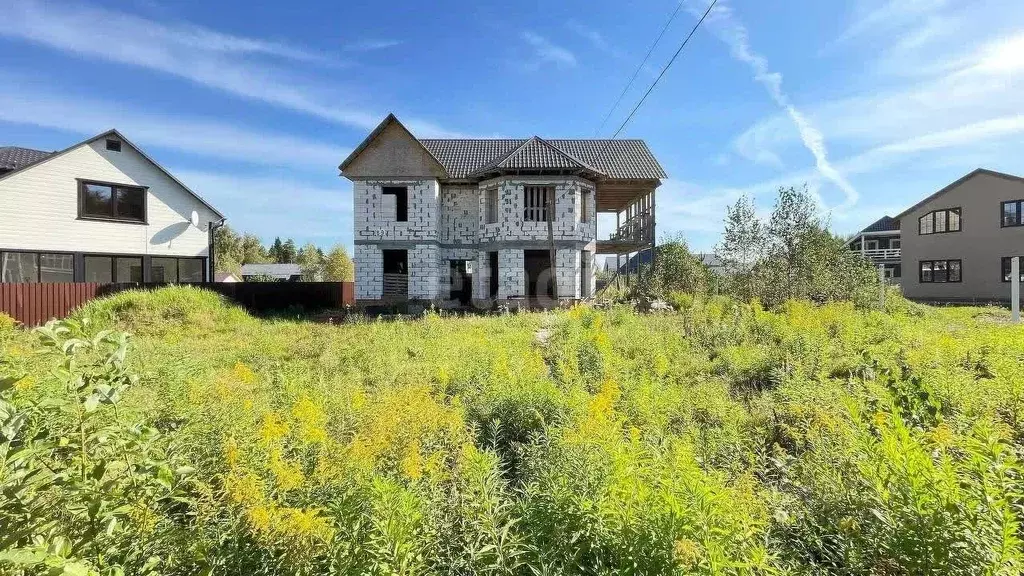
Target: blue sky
873,103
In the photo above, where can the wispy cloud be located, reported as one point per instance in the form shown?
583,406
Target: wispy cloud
546,52
248,68
729,29
371,45
596,39
196,136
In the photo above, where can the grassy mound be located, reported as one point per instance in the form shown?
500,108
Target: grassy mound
164,309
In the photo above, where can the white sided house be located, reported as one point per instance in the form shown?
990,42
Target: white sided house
100,211
477,220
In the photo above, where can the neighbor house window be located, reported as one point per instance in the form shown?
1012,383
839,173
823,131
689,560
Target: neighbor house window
401,200
940,271
176,270
940,221
36,266
535,202
1011,212
585,206
113,145
111,202
1007,268
107,269
491,205
32,267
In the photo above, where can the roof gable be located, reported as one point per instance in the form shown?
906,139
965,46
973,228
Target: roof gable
391,150
959,181
119,136
536,154
883,224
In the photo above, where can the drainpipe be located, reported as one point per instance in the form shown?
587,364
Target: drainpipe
212,248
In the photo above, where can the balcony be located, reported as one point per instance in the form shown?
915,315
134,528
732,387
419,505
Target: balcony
880,254
636,233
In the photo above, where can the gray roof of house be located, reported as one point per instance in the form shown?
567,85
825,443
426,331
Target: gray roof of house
14,157
625,159
883,224
275,270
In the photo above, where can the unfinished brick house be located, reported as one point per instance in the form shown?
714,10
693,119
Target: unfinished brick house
459,221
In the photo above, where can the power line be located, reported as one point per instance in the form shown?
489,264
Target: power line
665,69
639,68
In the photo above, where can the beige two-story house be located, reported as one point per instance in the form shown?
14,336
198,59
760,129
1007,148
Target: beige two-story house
460,221
957,243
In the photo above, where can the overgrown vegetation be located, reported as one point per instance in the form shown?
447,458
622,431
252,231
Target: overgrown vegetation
720,439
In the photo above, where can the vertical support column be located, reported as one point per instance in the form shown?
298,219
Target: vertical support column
654,229
881,286
1015,288
618,256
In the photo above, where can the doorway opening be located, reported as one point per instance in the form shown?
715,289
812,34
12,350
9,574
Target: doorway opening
537,265
396,273
461,281
492,258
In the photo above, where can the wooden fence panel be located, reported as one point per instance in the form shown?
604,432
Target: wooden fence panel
35,304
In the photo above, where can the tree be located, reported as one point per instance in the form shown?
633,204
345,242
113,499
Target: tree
338,267
227,250
252,250
675,269
311,263
274,254
743,242
288,252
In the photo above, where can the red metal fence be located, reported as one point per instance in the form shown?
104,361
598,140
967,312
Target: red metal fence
35,304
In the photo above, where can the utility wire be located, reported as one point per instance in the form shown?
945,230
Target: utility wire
665,69
639,68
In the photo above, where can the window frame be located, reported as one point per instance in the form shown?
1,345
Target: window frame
177,269
1002,212
113,266
532,212
945,212
492,199
114,188
947,263
1005,276
585,200
39,264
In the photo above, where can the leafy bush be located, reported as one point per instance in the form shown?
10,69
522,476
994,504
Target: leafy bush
724,438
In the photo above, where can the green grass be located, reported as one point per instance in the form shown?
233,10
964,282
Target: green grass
721,439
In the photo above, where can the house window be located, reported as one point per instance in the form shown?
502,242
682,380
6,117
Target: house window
491,201
401,200
111,202
176,270
113,145
940,271
535,202
1011,213
585,206
894,243
940,221
1007,267
107,269
33,267
871,244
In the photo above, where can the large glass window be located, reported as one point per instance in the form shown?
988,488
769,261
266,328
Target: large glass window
56,268
107,269
112,202
1011,213
940,271
31,267
939,221
174,270
1007,269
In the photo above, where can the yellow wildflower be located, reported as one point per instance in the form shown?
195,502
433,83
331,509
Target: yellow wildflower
244,373
311,420
688,552
274,427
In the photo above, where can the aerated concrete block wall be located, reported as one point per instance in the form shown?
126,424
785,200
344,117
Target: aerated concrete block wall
369,263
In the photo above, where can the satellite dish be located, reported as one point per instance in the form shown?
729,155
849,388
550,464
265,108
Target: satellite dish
194,219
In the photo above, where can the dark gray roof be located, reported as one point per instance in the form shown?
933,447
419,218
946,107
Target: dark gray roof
883,224
275,270
626,159
14,157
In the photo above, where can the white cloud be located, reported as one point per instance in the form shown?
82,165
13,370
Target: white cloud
734,34
196,136
544,51
247,68
371,45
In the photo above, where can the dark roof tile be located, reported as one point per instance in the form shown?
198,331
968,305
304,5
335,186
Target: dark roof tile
14,157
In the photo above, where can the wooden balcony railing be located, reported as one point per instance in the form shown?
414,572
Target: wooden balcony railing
637,229
880,253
